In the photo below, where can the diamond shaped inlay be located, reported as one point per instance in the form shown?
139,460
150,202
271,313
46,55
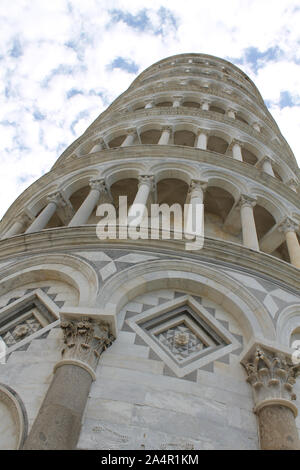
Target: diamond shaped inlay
181,341
184,334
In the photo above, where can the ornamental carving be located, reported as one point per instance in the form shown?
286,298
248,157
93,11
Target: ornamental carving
98,184
247,201
288,225
272,375
85,340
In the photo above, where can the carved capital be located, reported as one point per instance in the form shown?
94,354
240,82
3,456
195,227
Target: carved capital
203,131
98,184
293,184
288,225
57,198
197,185
146,179
166,128
264,159
24,219
131,132
85,340
271,374
235,142
247,201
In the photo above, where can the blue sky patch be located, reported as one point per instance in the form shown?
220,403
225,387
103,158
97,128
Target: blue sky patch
16,50
73,92
257,59
141,21
124,64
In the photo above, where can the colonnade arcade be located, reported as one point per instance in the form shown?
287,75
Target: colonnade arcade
232,212
190,135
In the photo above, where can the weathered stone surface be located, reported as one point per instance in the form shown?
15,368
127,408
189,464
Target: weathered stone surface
58,423
277,428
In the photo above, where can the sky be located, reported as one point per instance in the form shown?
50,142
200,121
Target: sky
62,62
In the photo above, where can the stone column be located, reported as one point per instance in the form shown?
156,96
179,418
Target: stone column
201,139
272,376
17,227
290,227
58,423
292,184
231,113
54,200
129,138
256,126
236,146
196,197
177,101
266,165
165,135
205,105
97,147
248,223
83,213
146,183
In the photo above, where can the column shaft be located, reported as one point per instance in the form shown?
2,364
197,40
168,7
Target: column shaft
205,106
141,198
86,208
165,137
237,152
293,248
128,140
15,229
267,167
43,218
201,141
58,423
248,227
277,428
96,148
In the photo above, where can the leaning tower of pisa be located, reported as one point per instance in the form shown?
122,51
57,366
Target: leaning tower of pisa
139,342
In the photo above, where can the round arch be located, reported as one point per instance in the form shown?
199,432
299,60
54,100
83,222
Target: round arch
193,278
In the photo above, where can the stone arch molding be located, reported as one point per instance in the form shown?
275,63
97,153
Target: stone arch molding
67,268
287,322
192,278
13,418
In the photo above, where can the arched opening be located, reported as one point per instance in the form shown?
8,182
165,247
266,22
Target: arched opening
277,175
116,141
216,109
150,137
125,187
164,104
238,117
184,138
264,220
217,204
172,191
248,156
191,104
217,144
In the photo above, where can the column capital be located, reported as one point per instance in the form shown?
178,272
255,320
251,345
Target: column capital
247,201
236,142
197,185
148,180
98,184
272,375
24,218
84,341
292,183
264,159
203,131
231,110
130,131
57,198
288,225
166,128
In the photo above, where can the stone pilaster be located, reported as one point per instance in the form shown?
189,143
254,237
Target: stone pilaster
58,423
272,376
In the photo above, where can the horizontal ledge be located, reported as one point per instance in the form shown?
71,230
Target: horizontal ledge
218,251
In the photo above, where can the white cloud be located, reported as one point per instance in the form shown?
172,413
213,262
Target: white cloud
50,48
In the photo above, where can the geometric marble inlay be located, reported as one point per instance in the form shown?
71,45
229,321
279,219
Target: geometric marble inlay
184,334
25,316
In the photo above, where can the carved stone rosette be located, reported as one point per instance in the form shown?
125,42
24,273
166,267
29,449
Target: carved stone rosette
85,340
